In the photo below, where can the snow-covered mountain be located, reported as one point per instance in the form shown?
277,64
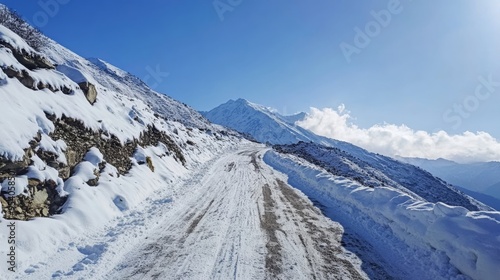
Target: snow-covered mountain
482,177
265,125
83,142
341,158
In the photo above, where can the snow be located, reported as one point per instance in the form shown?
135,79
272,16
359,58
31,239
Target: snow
94,156
260,122
56,147
111,199
108,67
375,170
74,74
90,209
427,239
188,230
17,184
6,35
225,213
267,126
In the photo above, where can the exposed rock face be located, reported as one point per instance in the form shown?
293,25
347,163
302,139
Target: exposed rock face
149,162
30,61
23,76
41,200
9,167
89,90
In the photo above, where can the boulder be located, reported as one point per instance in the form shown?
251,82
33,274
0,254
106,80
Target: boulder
149,162
94,182
64,172
89,90
3,202
33,182
40,197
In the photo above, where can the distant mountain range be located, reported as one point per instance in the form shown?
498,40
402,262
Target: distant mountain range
338,157
477,178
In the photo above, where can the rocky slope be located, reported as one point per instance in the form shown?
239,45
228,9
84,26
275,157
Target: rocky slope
58,106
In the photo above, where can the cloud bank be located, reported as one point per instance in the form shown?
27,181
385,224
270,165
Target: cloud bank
393,140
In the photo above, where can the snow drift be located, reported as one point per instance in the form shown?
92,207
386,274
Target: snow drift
418,236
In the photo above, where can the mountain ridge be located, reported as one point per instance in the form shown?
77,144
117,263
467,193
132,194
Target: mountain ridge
267,126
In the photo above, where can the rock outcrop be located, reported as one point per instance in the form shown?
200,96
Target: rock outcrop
42,198
90,91
29,60
32,62
149,162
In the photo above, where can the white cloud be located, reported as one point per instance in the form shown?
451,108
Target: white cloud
393,140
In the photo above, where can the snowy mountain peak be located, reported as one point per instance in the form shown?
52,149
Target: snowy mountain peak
263,123
353,161
292,119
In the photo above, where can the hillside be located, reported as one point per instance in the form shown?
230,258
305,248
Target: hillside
75,133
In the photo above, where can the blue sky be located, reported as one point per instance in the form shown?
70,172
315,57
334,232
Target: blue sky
417,69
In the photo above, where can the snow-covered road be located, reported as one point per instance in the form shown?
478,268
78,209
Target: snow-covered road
235,218
240,221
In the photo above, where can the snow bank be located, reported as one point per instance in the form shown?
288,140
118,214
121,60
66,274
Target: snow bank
74,74
421,237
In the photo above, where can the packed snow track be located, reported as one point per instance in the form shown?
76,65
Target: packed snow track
240,222
235,218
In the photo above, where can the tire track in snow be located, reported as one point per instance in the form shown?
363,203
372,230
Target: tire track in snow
235,219
209,237
198,219
270,225
325,240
